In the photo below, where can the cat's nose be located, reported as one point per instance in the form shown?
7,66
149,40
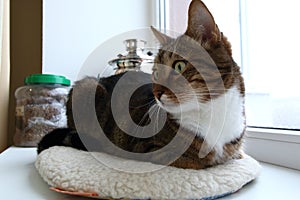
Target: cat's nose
158,94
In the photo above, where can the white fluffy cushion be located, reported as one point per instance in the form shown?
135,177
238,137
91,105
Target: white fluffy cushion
78,171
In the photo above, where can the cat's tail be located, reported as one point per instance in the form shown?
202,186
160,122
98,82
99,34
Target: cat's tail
61,137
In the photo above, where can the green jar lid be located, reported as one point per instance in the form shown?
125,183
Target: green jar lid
46,79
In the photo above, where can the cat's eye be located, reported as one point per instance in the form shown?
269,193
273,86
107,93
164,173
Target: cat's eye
179,66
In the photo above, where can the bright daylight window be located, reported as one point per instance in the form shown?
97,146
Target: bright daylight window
265,38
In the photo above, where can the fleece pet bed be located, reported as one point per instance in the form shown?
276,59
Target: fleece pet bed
71,171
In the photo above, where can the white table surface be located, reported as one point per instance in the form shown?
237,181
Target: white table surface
20,180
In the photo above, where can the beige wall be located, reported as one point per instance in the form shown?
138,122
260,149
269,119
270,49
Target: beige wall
25,48
4,73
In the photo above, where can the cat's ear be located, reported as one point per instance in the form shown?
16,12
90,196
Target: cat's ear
162,38
201,24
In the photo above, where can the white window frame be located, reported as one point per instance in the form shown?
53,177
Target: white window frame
279,147
161,14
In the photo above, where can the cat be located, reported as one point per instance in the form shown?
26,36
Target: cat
204,111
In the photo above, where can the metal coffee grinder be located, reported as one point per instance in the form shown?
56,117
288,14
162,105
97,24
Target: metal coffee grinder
134,59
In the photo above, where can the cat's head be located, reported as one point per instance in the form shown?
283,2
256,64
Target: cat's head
198,63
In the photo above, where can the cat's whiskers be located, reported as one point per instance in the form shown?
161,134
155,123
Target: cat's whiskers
152,110
157,118
141,122
200,95
149,113
152,100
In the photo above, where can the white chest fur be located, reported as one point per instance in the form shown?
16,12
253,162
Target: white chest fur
218,121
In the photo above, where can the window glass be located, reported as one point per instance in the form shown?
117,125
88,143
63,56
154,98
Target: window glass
271,68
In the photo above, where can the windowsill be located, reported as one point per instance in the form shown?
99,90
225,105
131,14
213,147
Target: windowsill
273,183
280,147
20,180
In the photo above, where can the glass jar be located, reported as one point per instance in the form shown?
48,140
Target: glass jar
40,108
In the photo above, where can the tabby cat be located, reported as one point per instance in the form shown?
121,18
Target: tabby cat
196,89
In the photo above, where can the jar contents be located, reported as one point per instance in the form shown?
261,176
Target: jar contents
40,108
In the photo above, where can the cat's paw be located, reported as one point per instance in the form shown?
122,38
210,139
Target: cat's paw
238,155
58,137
